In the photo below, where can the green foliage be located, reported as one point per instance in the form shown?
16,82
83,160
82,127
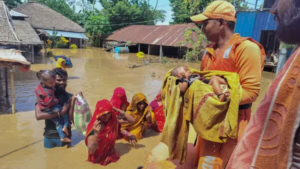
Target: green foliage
13,3
184,9
122,13
61,7
97,25
196,49
58,41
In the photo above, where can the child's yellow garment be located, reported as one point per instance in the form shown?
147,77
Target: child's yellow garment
213,120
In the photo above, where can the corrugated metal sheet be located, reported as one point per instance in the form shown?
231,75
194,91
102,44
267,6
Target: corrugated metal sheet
250,24
245,23
166,35
68,34
264,21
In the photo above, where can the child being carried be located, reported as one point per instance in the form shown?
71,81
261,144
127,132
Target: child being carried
186,78
48,103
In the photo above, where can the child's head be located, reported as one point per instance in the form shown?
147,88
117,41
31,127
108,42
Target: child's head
47,78
181,72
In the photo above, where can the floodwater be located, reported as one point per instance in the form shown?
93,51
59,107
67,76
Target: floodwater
96,73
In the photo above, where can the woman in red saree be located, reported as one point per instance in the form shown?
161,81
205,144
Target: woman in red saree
101,135
158,109
119,99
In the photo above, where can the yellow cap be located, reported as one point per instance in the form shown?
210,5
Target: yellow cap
216,10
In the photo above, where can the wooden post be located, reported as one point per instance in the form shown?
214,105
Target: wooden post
139,47
160,52
80,43
12,86
45,47
149,47
6,82
1,73
32,53
69,42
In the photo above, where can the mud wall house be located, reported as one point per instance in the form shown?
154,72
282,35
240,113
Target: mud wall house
162,40
44,20
259,25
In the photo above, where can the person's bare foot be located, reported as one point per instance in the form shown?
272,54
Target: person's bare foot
66,140
65,130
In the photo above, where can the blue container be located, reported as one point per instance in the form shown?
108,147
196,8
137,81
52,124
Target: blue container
121,50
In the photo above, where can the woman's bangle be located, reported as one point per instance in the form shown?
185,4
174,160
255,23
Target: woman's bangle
123,114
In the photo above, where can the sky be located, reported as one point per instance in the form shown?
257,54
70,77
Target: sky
165,5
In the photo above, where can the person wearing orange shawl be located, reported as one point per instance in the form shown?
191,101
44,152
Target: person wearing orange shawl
144,118
158,109
272,138
101,135
231,53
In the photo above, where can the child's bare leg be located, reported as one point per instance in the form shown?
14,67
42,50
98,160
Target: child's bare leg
65,130
215,83
66,140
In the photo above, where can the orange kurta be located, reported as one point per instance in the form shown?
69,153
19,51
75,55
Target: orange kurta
245,57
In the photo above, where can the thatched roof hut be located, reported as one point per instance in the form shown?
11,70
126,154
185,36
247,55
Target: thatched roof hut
7,33
43,17
26,33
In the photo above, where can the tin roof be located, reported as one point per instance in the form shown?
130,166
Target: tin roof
166,35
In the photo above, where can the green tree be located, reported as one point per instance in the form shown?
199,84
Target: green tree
96,26
122,13
13,3
61,7
196,49
184,9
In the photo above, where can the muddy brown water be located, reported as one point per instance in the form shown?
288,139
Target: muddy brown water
96,73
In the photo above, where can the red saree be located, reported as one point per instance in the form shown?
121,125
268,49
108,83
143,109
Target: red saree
105,152
119,98
158,114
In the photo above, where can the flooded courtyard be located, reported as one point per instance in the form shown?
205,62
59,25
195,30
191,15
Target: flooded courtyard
96,73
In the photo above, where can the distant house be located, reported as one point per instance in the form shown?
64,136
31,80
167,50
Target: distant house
259,25
15,32
163,40
45,20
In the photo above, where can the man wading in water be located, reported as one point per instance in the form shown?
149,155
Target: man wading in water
51,137
231,53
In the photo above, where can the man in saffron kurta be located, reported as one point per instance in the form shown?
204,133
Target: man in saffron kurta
272,138
232,53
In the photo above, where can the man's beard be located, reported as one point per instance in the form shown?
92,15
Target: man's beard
289,26
60,88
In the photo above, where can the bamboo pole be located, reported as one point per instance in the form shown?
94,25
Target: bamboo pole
13,104
139,47
6,82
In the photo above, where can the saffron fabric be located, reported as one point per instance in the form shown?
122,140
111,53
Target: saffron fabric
138,127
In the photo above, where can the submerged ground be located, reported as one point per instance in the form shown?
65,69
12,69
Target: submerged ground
96,73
